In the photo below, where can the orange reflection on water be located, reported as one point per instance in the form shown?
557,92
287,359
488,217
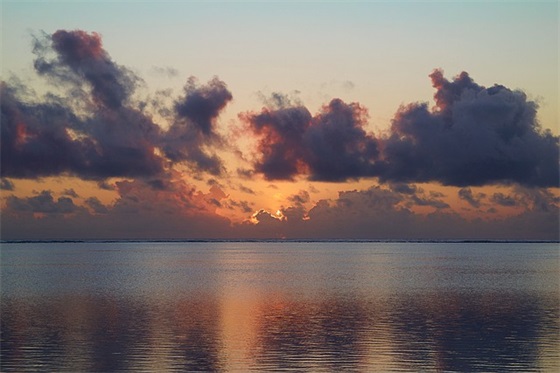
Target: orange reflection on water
248,309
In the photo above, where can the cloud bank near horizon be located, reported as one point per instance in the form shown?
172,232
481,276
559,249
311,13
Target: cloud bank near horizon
183,212
93,126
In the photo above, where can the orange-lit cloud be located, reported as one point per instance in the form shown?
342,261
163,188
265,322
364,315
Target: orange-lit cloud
477,165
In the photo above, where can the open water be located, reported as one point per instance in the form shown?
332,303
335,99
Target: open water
280,306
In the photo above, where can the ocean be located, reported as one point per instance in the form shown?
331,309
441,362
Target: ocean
280,306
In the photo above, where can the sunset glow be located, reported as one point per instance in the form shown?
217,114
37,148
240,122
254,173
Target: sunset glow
268,120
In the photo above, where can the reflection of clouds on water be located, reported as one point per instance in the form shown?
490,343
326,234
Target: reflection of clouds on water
314,335
271,306
101,334
444,333
457,332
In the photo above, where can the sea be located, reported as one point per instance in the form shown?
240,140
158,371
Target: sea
280,306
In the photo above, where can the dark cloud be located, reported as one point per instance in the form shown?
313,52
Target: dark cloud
379,213
95,204
181,211
503,200
424,201
416,196
245,173
48,138
281,130
404,188
215,202
6,184
300,198
244,206
247,190
194,130
42,203
97,130
103,184
213,181
540,200
339,148
474,136
70,193
467,195
139,212
202,105
332,146
34,138
82,54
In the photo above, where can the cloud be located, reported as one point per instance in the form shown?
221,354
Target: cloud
504,200
415,196
300,198
195,127
6,184
331,146
95,204
280,129
103,184
167,71
70,193
139,212
42,203
107,138
182,211
467,195
97,130
47,138
82,54
339,148
379,213
244,206
538,199
245,173
247,190
474,136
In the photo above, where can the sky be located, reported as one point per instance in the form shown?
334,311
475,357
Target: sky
302,120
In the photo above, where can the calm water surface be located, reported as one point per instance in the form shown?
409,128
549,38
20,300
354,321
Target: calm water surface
364,307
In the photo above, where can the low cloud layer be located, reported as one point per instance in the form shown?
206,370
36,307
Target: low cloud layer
379,213
180,211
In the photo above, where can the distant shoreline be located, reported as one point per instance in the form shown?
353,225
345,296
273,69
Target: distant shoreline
272,240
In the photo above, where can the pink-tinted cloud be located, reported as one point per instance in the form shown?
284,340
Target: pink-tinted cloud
331,146
378,213
98,131
474,136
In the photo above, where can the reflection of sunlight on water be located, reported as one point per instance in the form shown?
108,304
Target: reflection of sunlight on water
255,307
